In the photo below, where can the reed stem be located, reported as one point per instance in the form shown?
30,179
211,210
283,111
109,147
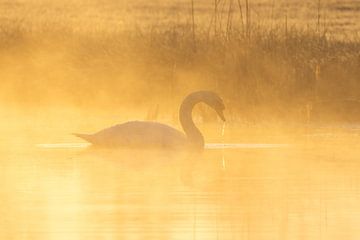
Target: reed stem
193,24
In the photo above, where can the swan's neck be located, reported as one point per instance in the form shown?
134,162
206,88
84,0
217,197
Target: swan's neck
193,134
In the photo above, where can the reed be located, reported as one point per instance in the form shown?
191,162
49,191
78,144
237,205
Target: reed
261,71
193,24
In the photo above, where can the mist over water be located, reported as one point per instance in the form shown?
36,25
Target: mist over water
283,166
308,190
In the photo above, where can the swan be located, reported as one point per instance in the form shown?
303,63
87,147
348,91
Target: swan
140,134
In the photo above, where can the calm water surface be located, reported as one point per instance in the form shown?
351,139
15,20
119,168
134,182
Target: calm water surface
302,191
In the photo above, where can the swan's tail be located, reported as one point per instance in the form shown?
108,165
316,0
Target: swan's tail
86,137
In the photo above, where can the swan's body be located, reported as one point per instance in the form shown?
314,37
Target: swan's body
144,134
137,134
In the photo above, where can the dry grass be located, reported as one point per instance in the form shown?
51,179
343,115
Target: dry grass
262,72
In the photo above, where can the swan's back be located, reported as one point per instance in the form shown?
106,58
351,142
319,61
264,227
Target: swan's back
139,134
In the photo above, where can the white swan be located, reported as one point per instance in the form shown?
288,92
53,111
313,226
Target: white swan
142,134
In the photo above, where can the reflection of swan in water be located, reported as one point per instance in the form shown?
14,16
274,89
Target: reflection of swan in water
152,134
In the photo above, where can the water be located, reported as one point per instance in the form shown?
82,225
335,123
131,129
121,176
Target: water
307,190
207,145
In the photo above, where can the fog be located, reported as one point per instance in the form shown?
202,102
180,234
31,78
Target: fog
283,166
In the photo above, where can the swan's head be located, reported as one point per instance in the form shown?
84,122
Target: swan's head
214,101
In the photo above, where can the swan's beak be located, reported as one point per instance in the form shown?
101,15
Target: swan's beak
221,115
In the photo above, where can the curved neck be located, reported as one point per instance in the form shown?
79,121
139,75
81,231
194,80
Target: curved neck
193,134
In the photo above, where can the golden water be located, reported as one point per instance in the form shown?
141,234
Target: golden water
298,191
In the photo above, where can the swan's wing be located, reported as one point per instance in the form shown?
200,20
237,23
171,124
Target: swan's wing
139,134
